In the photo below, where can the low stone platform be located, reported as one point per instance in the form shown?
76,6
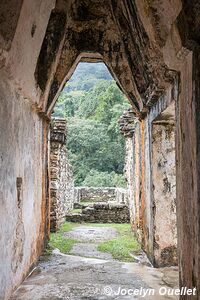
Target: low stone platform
102,212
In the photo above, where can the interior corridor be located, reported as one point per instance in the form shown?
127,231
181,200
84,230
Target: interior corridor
151,48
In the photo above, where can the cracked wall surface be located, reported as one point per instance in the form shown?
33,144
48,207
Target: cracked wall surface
164,194
21,205
24,206
152,198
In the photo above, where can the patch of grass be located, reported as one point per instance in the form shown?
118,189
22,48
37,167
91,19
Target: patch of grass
67,226
58,240
87,201
76,210
120,248
63,244
123,245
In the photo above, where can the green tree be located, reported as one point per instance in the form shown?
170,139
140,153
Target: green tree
104,179
92,103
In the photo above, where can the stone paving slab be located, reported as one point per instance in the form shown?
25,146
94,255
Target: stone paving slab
70,277
92,234
89,250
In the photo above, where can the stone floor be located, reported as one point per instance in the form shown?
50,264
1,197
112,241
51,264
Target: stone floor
89,238
92,234
89,250
79,278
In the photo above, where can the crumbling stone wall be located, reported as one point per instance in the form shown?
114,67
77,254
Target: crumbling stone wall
102,212
121,195
61,175
94,194
100,194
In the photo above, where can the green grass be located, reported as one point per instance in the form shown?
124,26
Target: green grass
122,246
62,243
58,240
87,201
76,210
67,226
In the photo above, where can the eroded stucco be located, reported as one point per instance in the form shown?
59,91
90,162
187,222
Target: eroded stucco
164,194
21,153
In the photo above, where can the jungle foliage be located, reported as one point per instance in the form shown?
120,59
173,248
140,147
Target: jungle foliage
92,103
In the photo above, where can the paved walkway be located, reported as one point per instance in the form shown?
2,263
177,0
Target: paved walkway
71,277
89,238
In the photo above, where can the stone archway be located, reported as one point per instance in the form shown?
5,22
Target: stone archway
116,36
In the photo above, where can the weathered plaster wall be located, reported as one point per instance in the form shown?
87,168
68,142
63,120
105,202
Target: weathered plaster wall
61,175
133,176
187,149
22,198
165,107
164,194
130,127
180,49
151,205
23,156
129,171
137,177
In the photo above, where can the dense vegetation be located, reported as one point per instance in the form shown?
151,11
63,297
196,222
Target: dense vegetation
92,103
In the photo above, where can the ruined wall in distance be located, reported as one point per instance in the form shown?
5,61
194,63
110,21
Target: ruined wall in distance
61,175
95,194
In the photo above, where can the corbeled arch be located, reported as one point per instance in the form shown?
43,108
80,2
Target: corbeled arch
112,30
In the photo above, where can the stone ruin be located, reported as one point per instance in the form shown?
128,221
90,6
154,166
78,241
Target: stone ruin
121,205
109,204
100,205
152,50
101,212
100,194
60,175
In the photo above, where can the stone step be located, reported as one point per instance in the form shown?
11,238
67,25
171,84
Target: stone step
102,213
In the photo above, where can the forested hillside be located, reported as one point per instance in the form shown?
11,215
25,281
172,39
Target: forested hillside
92,103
